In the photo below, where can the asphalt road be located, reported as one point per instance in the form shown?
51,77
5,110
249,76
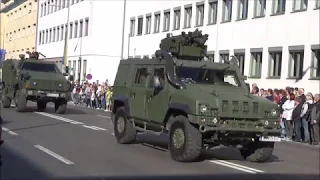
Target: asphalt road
80,143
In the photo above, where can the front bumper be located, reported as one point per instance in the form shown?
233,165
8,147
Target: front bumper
45,95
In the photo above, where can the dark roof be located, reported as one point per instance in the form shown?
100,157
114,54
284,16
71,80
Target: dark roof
15,4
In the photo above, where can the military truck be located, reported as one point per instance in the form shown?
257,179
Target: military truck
32,79
199,104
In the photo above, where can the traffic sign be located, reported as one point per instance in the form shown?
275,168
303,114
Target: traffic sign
89,76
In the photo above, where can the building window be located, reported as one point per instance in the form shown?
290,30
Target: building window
243,9
156,23
278,6
47,34
81,28
275,64
41,12
315,64
132,27
259,8
45,9
58,33
224,57
62,31
299,5
317,4
141,76
54,35
71,30
213,12
241,61
75,29
256,64
296,64
84,69
187,17
227,11
140,26
40,37
176,19
148,24
43,37
55,5
86,27
200,15
166,21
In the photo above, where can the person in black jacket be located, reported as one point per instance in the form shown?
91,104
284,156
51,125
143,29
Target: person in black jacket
297,119
283,99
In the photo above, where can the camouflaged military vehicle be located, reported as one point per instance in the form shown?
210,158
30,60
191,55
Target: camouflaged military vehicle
34,80
200,104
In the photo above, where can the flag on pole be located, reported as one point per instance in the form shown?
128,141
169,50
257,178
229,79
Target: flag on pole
65,51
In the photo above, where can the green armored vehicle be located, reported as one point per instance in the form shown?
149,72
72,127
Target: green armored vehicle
34,80
200,104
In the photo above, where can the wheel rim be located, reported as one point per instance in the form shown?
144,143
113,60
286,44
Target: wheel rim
178,138
120,125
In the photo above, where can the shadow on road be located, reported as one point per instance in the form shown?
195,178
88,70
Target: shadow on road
222,153
16,166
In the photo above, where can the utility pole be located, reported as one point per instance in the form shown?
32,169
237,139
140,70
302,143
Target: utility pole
123,26
65,52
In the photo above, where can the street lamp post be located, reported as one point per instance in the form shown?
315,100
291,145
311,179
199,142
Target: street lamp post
123,26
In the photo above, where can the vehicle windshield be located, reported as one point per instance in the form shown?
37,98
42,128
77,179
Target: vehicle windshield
192,75
39,67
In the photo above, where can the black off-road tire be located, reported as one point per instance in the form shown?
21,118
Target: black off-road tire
6,102
60,106
257,151
21,102
41,106
128,134
192,147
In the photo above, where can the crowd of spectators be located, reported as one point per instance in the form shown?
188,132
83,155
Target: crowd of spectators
300,112
93,95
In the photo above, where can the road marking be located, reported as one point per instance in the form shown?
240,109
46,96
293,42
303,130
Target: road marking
108,117
9,131
57,156
236,166
94,128
59,118
71,121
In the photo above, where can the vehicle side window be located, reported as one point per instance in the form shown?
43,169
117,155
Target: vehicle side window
141,76
160,73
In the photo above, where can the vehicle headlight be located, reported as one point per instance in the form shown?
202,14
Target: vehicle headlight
60,85
274,112
203,108
62,95
34,83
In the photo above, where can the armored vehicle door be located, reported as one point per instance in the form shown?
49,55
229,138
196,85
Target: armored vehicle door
157,95
136,93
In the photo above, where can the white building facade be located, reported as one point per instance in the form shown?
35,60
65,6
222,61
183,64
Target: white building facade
276,41
94,34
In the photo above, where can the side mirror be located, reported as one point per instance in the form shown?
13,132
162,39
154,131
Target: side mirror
1,85
155,82
248,86
71,78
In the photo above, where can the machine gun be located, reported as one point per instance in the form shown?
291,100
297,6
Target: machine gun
34,54
190,46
